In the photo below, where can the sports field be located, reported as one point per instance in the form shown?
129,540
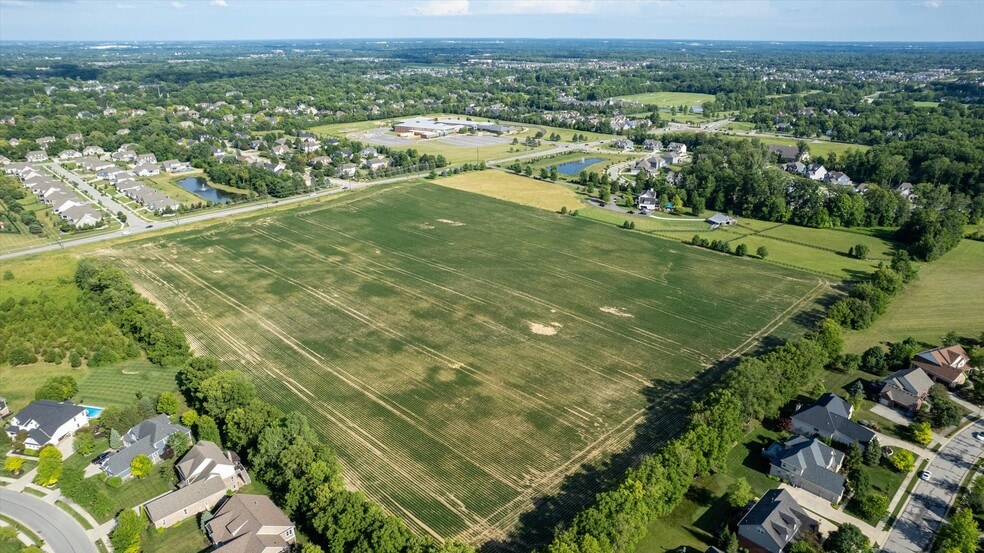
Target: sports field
460,353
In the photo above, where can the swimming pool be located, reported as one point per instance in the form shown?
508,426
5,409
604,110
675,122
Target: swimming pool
92,412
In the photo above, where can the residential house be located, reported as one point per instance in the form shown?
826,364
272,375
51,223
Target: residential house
122,132
368,152
785,154
109,111
47,422
345,153
36,156
677,147
8,120
309,147
810,464
81,215
44,141
4,160
795,167
347,170
94,164
74,137
4,409
648,200
905,190
838,178
147,170
145,158
69,154
946,365
147,438
124,155
93,151
671,157
174,166
773,523
280,150
815,171
652,145
249,523
623,143
376,163
719,219
906,390
830,417
650,164
323,160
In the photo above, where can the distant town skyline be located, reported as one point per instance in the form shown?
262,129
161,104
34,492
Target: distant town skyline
770,20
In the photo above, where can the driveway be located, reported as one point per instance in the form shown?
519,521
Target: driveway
928,505
58,530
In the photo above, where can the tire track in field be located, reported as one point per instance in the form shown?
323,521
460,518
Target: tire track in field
510,291
450,308
432,492
318,359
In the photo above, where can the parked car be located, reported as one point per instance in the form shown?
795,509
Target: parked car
925,475
101,457
979,436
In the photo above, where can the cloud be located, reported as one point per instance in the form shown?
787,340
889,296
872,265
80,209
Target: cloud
177,5
549,7
439,8
932,3
122,6
220,3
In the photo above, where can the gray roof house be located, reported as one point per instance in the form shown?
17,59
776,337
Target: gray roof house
47,422
206,475
810,464
4,409
906,389
775,522
719,219
648,200
250,524
830,417
147,438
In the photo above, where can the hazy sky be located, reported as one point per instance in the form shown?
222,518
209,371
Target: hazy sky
826,20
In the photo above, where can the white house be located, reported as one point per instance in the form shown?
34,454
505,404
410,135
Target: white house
47,422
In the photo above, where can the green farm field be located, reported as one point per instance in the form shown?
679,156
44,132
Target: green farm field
818,148
463,354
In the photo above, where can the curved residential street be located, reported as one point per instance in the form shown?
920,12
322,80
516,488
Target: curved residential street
58,530
917,523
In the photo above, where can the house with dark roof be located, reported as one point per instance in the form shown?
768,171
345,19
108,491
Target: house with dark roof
785,153
810,464
47,422
830,417
250,524
906,390
947,365
147,438
206,475
774,523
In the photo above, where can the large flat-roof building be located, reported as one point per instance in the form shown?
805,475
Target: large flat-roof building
429,127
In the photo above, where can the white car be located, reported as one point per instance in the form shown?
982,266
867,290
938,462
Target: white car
127,233
925,475
979,436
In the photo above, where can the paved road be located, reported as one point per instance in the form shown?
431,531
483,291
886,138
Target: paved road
59,531
914,530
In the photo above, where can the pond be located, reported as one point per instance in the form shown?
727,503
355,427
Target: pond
575,167
199,187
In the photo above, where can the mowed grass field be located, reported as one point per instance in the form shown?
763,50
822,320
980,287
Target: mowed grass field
460,353
514,188
949,295
667,99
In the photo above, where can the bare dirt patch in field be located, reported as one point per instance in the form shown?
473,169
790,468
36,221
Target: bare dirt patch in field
544,330
450,222
616,311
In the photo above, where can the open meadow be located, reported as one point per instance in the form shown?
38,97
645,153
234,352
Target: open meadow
948,295
463,354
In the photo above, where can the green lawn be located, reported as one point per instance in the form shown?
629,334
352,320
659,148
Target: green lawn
437,338
185,537
667,99
947,296
818,148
